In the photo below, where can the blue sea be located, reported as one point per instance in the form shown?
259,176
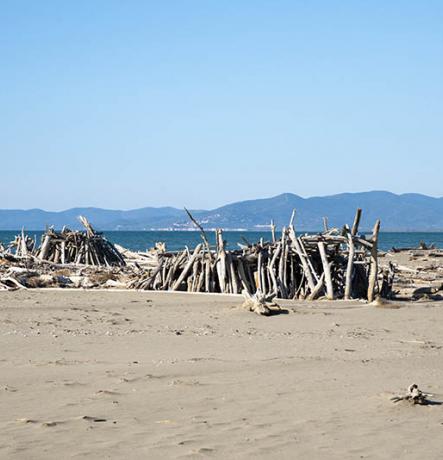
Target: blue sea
142,240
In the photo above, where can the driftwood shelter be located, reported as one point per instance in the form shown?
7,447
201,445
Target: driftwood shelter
70,247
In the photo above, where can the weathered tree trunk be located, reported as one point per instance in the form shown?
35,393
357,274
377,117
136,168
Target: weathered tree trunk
373,271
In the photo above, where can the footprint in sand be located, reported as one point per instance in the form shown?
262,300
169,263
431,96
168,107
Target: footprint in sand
88,418
106,392
10,389
129,380
47,424
204,450
73,383
50,424
26,420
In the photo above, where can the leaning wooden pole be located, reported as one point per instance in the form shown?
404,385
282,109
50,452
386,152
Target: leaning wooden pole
303,258
325,224
326,271
187,268
45,247
273,230
202,233
373,270
350,265
356,222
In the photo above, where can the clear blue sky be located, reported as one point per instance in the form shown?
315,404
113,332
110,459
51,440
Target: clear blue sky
124,104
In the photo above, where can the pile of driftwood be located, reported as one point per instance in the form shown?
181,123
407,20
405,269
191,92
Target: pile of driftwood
69,247
418,272
23,245
32,273
337,264
334,264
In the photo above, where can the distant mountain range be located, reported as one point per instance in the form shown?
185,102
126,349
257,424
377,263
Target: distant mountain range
407,212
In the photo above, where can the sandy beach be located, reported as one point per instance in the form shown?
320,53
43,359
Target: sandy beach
103,374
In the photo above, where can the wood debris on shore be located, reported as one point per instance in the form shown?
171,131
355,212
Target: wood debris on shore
418,272
334,264
415,396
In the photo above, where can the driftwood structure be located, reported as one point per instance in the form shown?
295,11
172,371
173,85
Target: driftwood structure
69,247
338,263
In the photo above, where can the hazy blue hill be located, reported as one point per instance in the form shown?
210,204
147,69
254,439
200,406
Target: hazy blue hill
407,212
247,214
398,212
136,219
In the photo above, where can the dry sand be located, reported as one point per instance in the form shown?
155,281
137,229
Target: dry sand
100,374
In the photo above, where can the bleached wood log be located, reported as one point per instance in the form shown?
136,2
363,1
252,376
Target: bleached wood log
349,267
271,269
260,303
291,220
44,250
233,275
308,259
243,278
24,247
325,224
89,230
208,286
194,276
326,271
273,231
356,222
373,270
285,255
282,265
305,265
187,268
169,282
221,260
259,280
228,282
318,288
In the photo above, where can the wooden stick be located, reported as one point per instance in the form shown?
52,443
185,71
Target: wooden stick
291,220
233,275
282,265
202,232
273,230
326,271
325,224
318,288
221,260
243,277
44,250
271,268
350,266
187,268
373,270
305,265
308,259
356,222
